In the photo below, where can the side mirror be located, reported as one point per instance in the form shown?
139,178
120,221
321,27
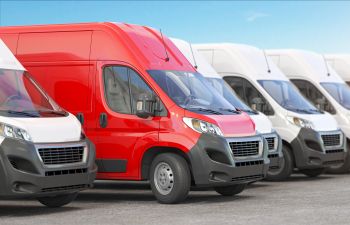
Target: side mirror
145,106
321,103
258,104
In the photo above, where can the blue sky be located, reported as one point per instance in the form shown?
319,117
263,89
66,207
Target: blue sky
322,26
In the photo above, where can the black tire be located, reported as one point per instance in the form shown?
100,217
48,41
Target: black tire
57,201
313,172
180,175
230,190
286,168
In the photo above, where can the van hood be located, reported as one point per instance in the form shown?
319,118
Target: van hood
262,124
235,125
321,122
48,130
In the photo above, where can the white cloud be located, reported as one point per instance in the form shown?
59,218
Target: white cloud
253,16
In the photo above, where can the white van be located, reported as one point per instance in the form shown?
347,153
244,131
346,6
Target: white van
262,123
261,85
43,150
341,64
322,86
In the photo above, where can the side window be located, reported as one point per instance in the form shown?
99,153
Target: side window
138,88
117,90
236,84
310,92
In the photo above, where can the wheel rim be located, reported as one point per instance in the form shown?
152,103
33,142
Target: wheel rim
163,178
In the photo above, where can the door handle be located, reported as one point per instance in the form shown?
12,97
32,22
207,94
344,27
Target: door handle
80,117
103,120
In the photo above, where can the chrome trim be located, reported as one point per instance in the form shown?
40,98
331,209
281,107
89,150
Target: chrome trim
341,137
63,145
247,139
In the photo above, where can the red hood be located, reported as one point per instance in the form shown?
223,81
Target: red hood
235,125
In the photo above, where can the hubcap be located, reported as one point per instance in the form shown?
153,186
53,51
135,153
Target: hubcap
163,178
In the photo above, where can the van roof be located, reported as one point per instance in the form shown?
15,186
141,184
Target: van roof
7,59
340,63
195,58
300,63
135,44
241,59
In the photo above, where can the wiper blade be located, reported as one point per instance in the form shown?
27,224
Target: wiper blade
20,113
206,110
247,110
230,110
61,113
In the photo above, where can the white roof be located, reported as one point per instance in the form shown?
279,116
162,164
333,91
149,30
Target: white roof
7,59
228,58
300,63
196,59
341,64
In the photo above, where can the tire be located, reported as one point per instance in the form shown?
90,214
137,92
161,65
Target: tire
313,172
286,168
230,190
170,178
57,201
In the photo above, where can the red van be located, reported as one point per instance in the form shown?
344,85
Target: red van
149,113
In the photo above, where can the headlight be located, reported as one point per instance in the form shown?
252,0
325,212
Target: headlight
202,127
14,132
300,122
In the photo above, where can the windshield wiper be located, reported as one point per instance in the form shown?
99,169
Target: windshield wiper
60,113
301,110
230,110
20,113
205,110
247,110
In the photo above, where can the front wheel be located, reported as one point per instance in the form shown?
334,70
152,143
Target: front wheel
230,190
313,172
286,168
57,201
170,178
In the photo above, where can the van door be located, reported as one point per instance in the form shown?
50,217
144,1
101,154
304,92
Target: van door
122,136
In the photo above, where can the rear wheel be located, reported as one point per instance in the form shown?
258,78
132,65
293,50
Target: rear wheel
57,201
230,190
313,172
286,168
170,178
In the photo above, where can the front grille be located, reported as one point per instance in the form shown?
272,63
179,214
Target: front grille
333,162
245,148
247,178
334,151
249,163
65,172
61,155
331,140
271,143
271,156
65,188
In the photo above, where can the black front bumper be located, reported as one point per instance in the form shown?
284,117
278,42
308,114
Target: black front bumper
22,172
213,164
310,152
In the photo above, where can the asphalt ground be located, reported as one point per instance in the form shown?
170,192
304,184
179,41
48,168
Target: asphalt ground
300,200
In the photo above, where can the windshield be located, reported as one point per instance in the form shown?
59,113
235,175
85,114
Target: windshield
226,91
287,96
20,96
192,91
340,92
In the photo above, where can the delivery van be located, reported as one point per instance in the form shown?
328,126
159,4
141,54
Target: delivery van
149,113
309,135
323,87
262,123
44,153
341,64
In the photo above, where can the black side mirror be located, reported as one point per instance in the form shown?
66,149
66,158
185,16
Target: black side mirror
321,104
145,106
258,104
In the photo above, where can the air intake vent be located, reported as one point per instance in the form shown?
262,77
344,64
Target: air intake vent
247,178
65,172
65,188
249,163
271,143
330,140
61,155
